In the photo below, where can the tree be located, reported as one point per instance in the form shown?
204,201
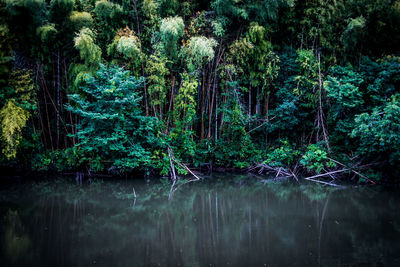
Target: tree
112,132
89,52
15,114
235,147
157,71
126,48
378,132
182,135
346,99
110,17
199,50
171,30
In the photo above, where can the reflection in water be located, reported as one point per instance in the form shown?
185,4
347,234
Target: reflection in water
16,242
224,221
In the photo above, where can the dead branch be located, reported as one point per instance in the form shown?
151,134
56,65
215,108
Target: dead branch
354,171
326,174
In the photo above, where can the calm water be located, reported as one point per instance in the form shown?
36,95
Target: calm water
228,220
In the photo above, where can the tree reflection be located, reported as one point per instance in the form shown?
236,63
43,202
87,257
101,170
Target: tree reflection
219,222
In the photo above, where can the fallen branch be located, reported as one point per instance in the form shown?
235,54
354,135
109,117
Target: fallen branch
279,172
326,174
294,175
171,160
322,182
356,172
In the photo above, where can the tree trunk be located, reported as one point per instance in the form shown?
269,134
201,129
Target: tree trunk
203,104
58,100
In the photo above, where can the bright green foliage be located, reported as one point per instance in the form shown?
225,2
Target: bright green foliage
171,30
129,46
200,50
254,57
89,51
13,119
316,159
264,63
283,156
378,131
81,19
239,51
184,114
219,26
126,46
185,100
157,85
107,10
112,132
150,11
24,92
307,81
16,112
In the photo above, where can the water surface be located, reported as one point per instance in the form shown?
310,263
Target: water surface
226,220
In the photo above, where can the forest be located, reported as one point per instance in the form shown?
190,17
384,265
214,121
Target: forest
164,87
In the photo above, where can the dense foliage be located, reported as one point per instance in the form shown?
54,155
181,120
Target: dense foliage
113,85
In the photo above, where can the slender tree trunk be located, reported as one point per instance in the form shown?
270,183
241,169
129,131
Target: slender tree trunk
146,103
211,112
69,112
172,97
42,135
266,114
216,117
44,86
137,20
249,104
321,112
48,122
58,100
257,101
203,104
209,99
267,105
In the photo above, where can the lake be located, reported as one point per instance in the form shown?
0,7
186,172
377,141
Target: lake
223,220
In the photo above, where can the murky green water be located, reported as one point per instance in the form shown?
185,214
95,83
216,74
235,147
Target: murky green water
228,220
